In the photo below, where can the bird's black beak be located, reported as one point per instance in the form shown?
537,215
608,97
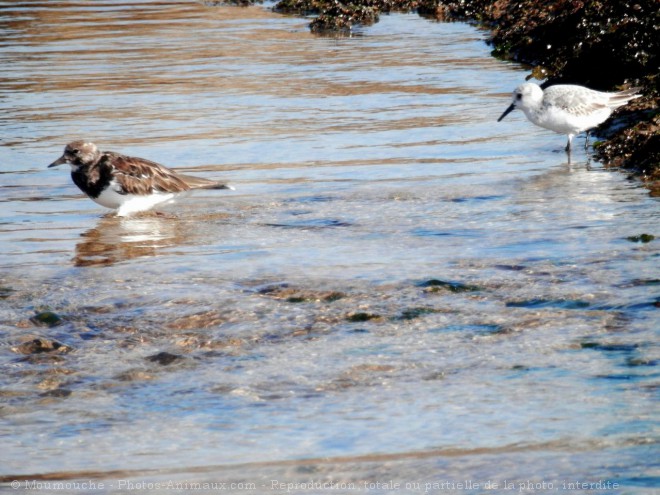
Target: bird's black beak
57,162
507,111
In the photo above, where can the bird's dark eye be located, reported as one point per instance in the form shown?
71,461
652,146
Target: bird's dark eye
75,151
519,97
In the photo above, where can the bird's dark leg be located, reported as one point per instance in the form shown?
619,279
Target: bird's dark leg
586,141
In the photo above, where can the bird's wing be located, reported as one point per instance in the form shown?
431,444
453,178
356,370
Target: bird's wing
141,177
579,101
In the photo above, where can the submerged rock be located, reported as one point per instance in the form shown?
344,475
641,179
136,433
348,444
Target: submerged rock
362,375
46,319
643,238
5,292
134,375
204,319
361,317
296,295
639,361
58,392
164,358
435,285
41,345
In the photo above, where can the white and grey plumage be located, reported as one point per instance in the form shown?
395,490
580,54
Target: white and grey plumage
566,108
127,184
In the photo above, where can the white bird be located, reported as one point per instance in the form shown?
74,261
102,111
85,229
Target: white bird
567,108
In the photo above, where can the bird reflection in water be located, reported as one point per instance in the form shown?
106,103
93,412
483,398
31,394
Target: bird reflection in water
117,239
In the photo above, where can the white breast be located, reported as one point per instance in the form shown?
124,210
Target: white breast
566,122
130,203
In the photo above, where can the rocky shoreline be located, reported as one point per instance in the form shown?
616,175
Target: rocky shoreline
600,44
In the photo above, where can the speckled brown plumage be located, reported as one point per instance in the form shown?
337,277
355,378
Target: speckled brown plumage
103,175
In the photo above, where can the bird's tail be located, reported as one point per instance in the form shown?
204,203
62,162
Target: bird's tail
218,185
622,97
199,183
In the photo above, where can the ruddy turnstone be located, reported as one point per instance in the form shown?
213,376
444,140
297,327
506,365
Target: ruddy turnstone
566,108
125,183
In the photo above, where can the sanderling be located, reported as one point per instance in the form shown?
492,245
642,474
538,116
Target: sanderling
566,108
126,183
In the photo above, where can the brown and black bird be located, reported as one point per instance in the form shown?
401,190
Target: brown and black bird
125,183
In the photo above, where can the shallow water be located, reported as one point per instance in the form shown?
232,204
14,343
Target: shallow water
400,290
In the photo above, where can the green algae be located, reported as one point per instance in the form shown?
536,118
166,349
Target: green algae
436,285
47,319
643,238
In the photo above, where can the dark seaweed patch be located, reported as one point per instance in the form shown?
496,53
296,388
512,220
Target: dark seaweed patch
434,285
548,303
164,358
58,392
295,295
5,292
361,317
642,238
46,319
311,224
609,347
645,282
